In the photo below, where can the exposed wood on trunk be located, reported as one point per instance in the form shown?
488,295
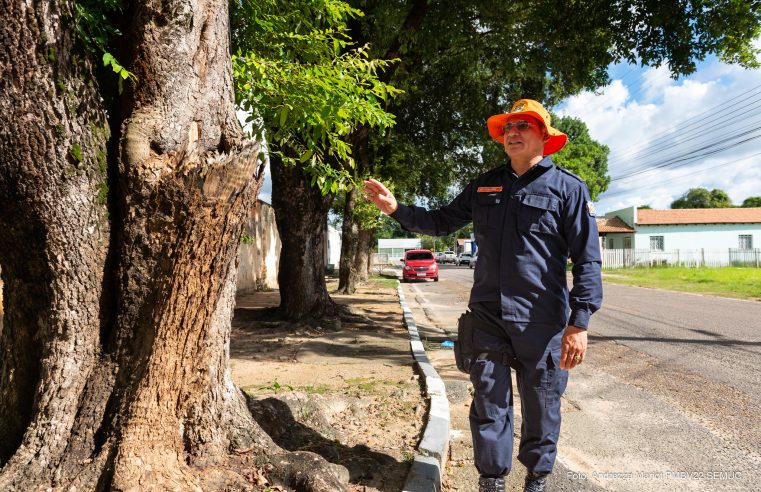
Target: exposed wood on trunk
140,399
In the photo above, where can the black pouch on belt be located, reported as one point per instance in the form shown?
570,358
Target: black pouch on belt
464,347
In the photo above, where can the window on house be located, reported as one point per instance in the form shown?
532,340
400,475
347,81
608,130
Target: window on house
611,243
627,243
746,241
656,243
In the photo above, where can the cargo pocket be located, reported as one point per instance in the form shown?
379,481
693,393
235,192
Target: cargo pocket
538,213
554,382
485,209
486,400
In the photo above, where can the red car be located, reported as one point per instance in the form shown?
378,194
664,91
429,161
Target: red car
419,263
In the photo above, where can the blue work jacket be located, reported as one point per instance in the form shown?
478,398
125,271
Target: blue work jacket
526,228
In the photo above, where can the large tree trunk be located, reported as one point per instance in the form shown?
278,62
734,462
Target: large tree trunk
114,367
301,213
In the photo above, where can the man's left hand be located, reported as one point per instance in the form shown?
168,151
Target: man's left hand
574,347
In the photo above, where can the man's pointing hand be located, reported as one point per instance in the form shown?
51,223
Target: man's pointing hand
380,196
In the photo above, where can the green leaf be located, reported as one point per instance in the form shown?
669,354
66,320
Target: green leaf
108,59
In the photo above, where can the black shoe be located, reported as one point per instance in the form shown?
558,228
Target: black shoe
535,482
491,484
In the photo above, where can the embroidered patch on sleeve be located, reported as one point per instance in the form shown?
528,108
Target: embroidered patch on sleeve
591,209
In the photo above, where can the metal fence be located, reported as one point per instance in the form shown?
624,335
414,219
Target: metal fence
692,258
380,259
380,262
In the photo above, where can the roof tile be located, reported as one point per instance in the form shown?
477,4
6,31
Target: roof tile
615,224
699,216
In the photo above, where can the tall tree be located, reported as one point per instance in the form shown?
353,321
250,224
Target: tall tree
582,155
119,251
359,223
462,61
301,79
702,198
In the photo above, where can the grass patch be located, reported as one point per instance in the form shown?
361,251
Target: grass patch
383,281
315,389
742,283
367,385
272,387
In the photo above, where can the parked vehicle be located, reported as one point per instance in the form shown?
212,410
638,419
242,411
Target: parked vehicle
419,264
463,259
448,257
439,257
473,261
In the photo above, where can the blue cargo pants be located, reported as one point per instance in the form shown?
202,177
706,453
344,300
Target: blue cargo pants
540,381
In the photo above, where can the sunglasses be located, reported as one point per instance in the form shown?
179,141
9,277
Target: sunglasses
520,125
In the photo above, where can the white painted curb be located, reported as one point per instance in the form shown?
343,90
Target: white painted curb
427,468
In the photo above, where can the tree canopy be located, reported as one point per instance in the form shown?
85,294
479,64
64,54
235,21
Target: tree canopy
751,201
702,198
300,78
582,155
462,61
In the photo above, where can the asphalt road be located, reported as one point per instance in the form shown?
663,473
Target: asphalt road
668,398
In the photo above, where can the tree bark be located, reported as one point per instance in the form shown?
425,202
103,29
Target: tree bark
362,259
348,276
301,213
119,292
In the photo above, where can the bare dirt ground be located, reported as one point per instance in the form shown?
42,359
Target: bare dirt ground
348,391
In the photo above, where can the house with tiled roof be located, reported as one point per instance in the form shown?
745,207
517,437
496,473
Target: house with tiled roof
710,236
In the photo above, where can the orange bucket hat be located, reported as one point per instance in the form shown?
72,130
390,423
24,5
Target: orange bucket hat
527,107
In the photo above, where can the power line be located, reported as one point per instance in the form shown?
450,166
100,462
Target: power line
692,120
680,155
665,143
681,161
674,178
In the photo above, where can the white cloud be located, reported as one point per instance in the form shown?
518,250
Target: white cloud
649,125
655,81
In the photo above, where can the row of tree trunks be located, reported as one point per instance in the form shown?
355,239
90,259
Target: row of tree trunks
364,253
119,293
355,250
356,246
348,275
301,214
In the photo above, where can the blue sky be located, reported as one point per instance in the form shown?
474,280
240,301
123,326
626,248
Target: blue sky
667,136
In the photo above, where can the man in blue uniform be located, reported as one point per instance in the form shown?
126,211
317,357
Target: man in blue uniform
530,217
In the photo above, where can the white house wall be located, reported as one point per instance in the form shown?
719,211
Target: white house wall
334,247
395,248
697,236
259,255
618,240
